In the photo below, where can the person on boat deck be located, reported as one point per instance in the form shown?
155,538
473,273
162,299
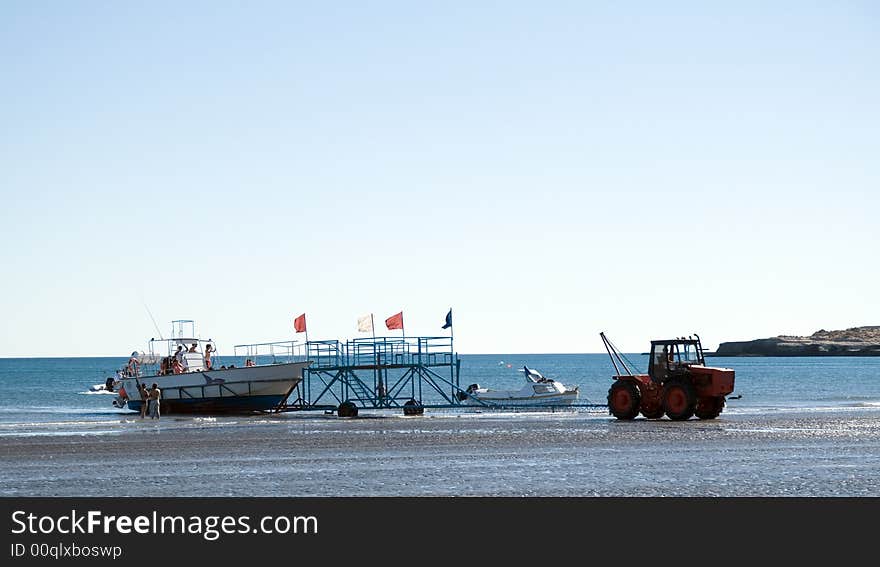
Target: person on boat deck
178,365
134,365
208,350
155,396
249,362
192,348
145,397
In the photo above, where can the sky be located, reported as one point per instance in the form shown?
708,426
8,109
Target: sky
548,170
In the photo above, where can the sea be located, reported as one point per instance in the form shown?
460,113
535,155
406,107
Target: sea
54,396
802,427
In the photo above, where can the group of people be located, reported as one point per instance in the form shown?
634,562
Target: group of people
150,400
178,363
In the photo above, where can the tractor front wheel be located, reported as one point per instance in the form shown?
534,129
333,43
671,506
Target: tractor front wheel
623,400
709,408
679,400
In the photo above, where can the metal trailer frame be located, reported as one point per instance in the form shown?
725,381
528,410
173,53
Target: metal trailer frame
380,372
377,373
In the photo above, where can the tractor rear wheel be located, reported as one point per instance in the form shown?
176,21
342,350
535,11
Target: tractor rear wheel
709,408
679,400
623,400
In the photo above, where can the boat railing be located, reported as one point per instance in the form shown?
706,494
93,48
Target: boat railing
371,351
273,352
382,351
326,353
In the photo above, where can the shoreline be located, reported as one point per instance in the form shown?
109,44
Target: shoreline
806,453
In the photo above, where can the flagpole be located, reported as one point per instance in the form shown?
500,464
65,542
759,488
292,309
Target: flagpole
451,331
375,348
377,372
452,375
305,329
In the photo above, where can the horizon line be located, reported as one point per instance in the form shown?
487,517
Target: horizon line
4,357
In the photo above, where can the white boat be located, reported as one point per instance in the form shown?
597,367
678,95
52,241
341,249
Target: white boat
537,391
188,385
108,387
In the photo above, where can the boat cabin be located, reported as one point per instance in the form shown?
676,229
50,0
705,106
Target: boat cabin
182,353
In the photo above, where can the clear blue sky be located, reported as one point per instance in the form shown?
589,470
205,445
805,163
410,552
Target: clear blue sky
547,169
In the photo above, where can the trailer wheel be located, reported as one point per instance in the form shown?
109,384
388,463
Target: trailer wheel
679,400
709,408
347,409
413,407
623,400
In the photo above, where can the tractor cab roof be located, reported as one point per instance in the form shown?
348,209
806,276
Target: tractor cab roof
675,342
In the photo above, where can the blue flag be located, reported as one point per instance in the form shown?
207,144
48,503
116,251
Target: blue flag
448,320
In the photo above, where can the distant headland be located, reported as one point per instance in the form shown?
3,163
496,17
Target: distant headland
857,341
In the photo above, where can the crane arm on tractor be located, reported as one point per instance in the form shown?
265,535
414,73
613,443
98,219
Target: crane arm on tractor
616,357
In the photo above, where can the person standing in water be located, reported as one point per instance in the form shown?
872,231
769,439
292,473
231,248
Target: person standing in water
145,399
155,396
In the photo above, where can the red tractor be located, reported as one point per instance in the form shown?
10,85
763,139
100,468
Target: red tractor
678,383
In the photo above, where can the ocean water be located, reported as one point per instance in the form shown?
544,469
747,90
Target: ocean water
51,395
803,427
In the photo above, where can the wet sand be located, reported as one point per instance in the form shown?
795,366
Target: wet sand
824,453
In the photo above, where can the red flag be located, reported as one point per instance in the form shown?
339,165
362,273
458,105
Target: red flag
395,321
300,323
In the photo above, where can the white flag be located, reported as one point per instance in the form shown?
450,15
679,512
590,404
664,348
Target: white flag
365,324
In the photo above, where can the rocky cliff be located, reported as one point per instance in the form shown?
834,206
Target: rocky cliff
858,341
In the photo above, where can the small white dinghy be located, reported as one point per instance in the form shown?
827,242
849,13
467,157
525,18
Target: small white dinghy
537,391
108,387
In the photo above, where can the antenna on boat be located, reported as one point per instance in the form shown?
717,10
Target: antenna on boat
161,338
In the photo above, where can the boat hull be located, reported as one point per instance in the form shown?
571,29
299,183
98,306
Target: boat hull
244,404
233,390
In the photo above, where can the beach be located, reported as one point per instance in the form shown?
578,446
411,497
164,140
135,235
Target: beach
832,452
